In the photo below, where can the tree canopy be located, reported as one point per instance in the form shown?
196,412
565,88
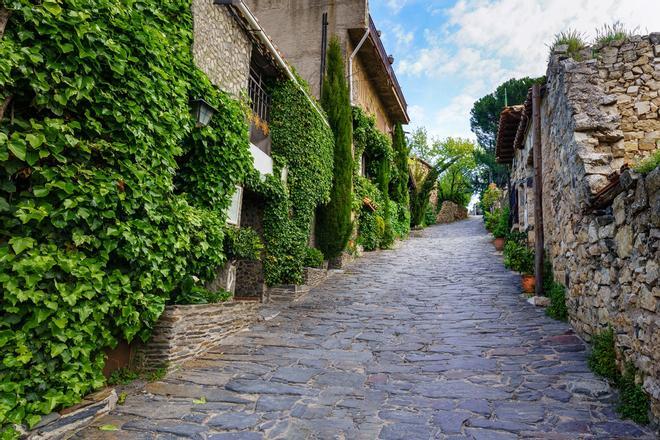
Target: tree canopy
455,183
484,119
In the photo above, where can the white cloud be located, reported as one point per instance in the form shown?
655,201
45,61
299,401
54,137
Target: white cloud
395,5
485,42
403,38
451,120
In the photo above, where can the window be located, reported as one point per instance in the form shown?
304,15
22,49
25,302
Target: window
234,211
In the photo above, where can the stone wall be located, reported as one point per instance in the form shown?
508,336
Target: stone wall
366,96
183,332
597,115
451,212
221,48
302,47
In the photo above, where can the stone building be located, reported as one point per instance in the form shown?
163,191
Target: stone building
601,220
302,29
239,57
514,148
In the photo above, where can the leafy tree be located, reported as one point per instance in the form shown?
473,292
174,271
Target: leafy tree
485,113
455,184
419,146
334,226
484,119
419,197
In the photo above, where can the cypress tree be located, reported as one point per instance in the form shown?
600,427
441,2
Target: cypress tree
333,222
400,174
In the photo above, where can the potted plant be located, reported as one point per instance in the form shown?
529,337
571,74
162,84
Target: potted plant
518,257
500,227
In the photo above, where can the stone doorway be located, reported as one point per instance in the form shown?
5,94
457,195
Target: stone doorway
250,274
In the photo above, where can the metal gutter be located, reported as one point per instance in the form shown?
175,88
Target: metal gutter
265,40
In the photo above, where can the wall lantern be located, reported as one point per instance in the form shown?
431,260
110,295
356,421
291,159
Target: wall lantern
202,111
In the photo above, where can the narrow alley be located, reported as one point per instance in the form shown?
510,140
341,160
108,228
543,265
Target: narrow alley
431,340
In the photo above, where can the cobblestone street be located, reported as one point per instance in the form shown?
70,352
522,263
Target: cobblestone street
431,340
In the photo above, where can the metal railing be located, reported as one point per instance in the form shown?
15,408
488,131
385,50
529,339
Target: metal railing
259,99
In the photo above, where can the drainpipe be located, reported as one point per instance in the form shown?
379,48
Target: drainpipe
538,190
350,63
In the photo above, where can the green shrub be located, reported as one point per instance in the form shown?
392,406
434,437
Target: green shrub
333,222
634,402
400,215
649,164
602,359
429,215
491,195
501,223
519,257
557,308
490,219
313,257
243,244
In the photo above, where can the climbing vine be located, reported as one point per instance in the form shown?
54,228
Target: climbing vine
98,229
375,228
303,142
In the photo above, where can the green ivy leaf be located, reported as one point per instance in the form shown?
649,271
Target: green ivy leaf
34,140
52,7
19,244
17,147
40,192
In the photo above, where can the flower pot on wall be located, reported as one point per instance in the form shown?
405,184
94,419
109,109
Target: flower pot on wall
528,283
499,243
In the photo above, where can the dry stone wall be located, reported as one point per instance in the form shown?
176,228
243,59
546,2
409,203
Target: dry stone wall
221,48
183,332
451,212
597,115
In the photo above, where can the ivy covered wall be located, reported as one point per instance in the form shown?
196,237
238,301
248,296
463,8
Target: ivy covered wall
381,219
110,199
303,142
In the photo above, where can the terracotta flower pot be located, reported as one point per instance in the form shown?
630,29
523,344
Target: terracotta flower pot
499,243
528,283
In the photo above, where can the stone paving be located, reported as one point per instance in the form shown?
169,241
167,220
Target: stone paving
431,340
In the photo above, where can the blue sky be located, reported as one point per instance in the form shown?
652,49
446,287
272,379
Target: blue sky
449,53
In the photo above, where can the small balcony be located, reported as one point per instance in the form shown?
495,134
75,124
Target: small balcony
260,118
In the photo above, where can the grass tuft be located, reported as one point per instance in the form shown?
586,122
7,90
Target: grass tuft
557,308
602,359
610,33
124,376
634,404
571,38
648,164
633,401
